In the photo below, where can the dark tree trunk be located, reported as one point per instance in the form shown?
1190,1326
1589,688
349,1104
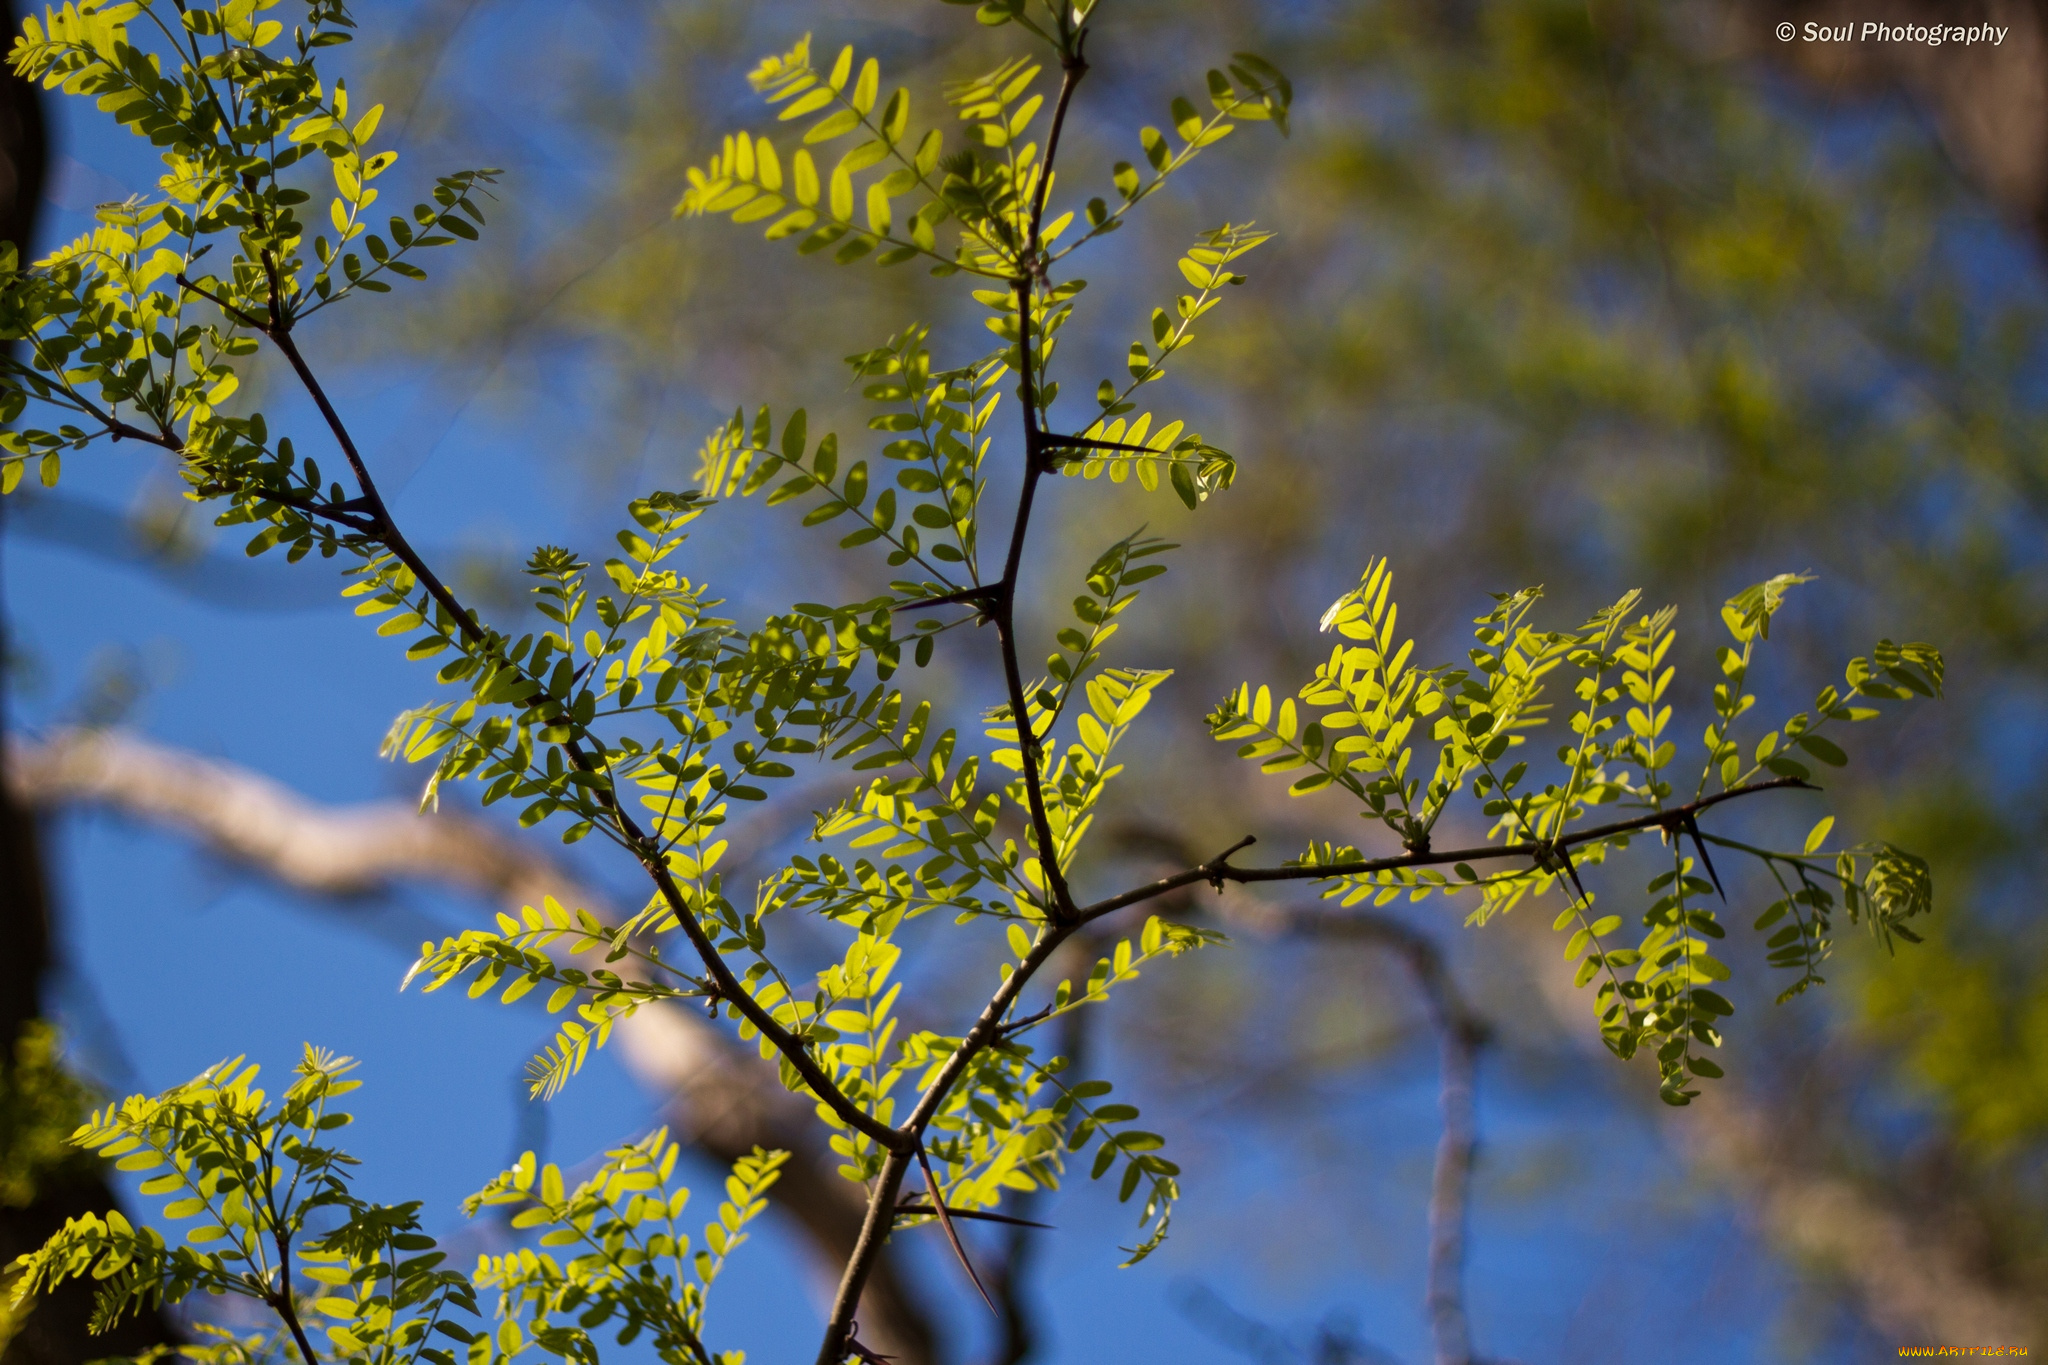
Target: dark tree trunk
54,1331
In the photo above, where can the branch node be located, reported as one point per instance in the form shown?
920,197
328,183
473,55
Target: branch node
1218,868
984,595
860,1352
1554,855
1692,827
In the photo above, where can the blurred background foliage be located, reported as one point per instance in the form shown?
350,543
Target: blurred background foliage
1592,293
1574,293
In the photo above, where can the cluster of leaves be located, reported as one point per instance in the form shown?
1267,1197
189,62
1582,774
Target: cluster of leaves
1195,468
1012,1120
945,418
516,957
280,1226
104,324
633,1262
529,727
1356,730
276,1223
986,190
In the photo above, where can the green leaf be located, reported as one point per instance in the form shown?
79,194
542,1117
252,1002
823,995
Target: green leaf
1823,749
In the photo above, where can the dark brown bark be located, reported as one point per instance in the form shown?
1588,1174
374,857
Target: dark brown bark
54,1331
24,918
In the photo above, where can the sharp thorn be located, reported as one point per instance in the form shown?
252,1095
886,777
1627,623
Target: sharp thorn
945,1214
1692,827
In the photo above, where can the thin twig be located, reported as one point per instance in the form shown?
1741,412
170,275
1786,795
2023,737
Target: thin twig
986,1030
217,301
740,998
1073,67
1005,613
281,1300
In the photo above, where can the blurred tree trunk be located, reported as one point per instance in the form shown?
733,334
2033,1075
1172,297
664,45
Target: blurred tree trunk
1989,103
54,1332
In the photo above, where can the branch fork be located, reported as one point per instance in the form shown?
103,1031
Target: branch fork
1219,868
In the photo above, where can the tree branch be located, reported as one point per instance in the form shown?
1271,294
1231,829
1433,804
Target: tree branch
281,1299
386,532
1060,900
1091,443
738,998
874,1232
1218,870
1461,1033
1073,66
1004,613
217,301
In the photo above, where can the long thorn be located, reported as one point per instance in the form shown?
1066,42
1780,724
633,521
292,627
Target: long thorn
1053,442
982,595
946,1221
1564,856
1692,827
913,1207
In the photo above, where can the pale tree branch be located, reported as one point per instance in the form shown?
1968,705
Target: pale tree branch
725,1100
1461,1033
1911,1276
